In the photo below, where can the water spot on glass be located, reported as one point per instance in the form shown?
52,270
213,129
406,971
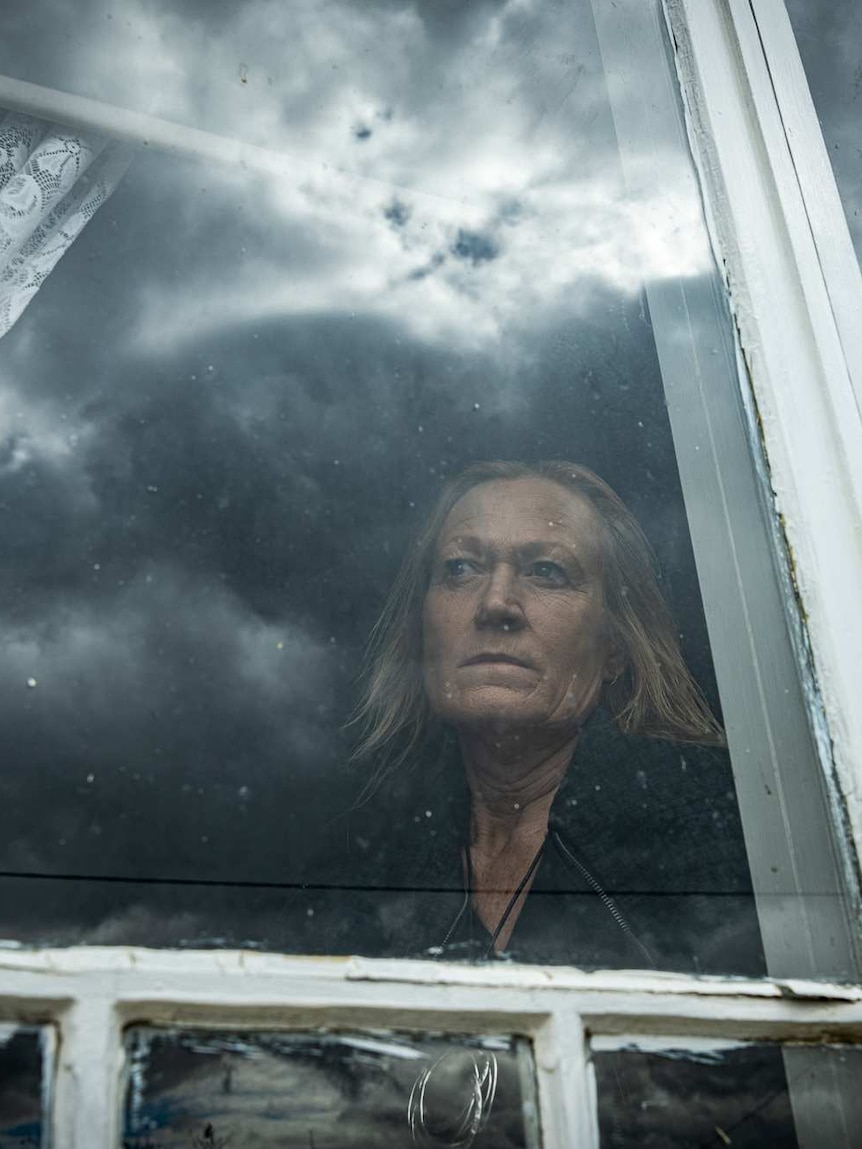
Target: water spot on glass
97,566
243,791
279,646
32,683
428,814
204,838
476,407
598,787
152,488
91,777
310,912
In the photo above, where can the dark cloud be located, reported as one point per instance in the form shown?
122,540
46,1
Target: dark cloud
397,213
475,247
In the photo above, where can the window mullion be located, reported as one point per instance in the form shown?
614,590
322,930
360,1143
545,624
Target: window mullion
86,1094
567,1099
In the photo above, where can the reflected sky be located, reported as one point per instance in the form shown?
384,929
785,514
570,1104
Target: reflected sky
227,409
323,1090
490,185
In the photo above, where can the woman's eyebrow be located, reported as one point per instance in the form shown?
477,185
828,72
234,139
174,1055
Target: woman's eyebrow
466,542
535,548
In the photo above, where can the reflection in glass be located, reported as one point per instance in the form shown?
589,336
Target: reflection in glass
829,34
233,402
22,1086
327,1091
528,698
712,1095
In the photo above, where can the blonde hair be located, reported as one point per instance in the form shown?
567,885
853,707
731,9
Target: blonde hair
654,695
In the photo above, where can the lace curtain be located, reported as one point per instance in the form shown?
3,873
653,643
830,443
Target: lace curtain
52,182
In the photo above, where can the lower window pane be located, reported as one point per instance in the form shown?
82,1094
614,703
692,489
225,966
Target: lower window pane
325,1090
24,1053
724,1094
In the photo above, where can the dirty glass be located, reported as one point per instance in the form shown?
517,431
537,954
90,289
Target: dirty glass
829,35
716,1094
281,272
23,1086
320,1090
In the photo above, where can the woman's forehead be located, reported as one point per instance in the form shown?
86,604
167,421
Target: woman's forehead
517,512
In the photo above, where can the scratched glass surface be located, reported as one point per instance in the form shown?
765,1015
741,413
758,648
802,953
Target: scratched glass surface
227,412
829,35
22,1088
327,1090
714,1096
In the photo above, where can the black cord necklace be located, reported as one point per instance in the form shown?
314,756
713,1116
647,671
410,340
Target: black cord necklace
531,869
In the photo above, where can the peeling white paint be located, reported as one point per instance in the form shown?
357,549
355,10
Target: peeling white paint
92,993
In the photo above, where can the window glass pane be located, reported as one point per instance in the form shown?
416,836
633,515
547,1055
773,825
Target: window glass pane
719,1094
24,1065
828,35
233,402
327,1089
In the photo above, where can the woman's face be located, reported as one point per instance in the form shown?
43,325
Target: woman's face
514,624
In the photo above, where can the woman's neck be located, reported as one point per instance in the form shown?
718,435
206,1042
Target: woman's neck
513,781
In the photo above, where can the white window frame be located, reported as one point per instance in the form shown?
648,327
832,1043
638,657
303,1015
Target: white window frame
91,994
795,289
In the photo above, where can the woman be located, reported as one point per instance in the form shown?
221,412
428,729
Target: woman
543,783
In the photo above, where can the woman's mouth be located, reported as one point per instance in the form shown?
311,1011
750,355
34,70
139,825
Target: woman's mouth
490,657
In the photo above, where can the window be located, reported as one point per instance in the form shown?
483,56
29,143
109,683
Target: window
312,265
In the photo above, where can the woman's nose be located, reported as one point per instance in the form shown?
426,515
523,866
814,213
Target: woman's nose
500,603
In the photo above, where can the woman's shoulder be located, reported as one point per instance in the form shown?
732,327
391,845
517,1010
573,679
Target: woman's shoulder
652,802
657,824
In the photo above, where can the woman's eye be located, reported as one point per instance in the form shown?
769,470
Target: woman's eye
549,572
458,568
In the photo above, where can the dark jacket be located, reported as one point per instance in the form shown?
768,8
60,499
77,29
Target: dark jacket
644,866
